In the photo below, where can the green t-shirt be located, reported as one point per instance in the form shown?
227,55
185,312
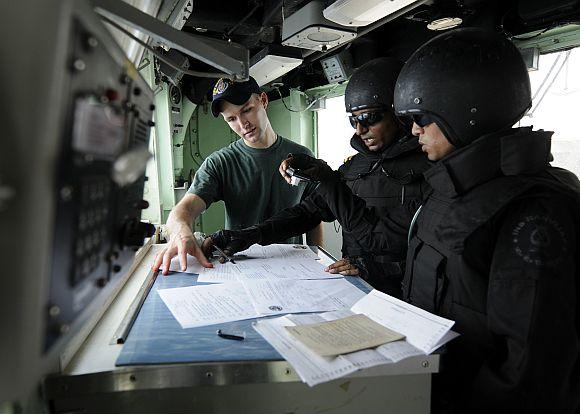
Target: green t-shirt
248,181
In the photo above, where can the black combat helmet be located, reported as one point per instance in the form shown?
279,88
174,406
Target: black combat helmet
470,81
372,85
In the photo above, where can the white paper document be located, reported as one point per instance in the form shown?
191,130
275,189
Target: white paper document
312,368
280,251
275,268
201,305
422,329
271,297
427,331
195,306
276,261
220,273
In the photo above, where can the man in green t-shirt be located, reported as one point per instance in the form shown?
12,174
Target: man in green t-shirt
244,175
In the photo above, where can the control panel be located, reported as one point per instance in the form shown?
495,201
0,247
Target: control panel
99,179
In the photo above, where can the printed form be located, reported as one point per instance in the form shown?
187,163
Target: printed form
271,297
276,261
195,306
424,333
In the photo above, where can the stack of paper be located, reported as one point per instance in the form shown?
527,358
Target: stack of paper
424,333
276,261
196,306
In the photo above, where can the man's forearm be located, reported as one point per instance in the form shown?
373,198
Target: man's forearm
181,217
179,222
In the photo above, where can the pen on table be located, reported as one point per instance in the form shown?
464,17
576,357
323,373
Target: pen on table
229,336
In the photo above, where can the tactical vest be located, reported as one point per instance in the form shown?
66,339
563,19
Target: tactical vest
468,193
384,180
449,257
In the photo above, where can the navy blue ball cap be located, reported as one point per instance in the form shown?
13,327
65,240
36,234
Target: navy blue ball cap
236,93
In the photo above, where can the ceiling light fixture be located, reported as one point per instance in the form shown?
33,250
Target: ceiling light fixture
364,12
308,29
445,23
272,62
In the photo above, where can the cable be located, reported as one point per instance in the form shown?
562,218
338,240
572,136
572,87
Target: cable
191,151
531,114
196,139
546,78
411,227
246,17
164,59
534,36
552,26
311,104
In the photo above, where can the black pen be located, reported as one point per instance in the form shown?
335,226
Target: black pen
229,336
225,256
220,251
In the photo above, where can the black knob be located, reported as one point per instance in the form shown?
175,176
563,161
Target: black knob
137,91
152,107
151,123
142,204
116,268
134,231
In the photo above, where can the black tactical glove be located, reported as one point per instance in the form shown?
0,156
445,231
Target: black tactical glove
313,168
233,241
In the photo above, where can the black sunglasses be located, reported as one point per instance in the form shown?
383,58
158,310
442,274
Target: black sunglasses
366,119
423,120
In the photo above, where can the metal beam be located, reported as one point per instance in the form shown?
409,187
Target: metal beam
228,57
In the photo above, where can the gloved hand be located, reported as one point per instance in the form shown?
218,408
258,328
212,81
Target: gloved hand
231,241
313,168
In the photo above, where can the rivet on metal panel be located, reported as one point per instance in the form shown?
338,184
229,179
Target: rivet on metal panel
425,364
132,378
209,374
79,65
92,42
66,193
54,311
6,194
287,371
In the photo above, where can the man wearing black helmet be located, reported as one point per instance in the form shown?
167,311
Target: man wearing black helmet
386,172
495,244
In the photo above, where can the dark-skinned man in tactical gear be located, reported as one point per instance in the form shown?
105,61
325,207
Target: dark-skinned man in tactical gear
386,172
495,243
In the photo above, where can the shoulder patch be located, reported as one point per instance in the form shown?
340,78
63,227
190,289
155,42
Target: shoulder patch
347,159
539,241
